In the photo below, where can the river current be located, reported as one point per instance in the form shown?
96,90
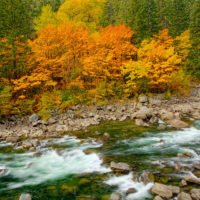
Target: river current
73,167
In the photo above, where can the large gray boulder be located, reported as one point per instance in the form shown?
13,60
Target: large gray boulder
162,190
177,123
184,196
12,139
144,113
140,122
34,118
166,116
25,197
195,194
120,167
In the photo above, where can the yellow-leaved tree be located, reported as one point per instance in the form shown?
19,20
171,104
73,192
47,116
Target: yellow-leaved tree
183,45
158,60
47,17
83,12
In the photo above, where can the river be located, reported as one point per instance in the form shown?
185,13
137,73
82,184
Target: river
77,167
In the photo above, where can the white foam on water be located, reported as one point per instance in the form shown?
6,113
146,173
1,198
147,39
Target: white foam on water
125,182
167,142
53,164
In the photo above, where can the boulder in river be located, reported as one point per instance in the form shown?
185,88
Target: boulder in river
12,139
184,196
195,194
120,167
162,127
197,166
162,190
140,122
177,123
192,179
26,144
25,197
131,191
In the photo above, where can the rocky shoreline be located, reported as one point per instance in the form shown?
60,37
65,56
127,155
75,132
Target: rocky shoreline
145,112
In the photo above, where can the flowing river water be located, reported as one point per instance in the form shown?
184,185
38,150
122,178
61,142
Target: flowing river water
76,167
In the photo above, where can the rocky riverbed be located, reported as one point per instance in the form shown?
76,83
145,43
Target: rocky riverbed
140,149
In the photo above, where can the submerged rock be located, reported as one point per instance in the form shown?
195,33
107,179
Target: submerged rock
184,196
25,197
188,154
146,177
115,196
162,190
120,167
3,172
161,127
131,191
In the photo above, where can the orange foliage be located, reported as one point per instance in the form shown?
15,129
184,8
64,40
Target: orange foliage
110,49
56,53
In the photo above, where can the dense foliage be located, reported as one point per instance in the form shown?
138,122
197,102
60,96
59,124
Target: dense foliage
57,53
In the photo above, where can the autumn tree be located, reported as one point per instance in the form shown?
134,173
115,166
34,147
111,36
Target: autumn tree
157,61
111,48
56,53
183,45
84,12
47,17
